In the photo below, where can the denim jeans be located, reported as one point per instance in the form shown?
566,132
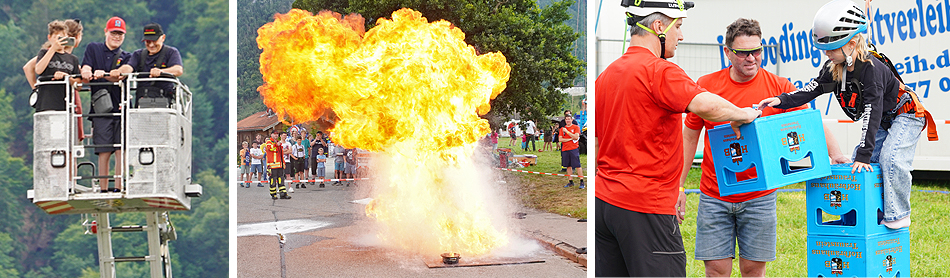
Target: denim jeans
720,225
894,150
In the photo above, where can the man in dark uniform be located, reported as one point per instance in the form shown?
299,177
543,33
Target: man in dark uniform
102,58
156,58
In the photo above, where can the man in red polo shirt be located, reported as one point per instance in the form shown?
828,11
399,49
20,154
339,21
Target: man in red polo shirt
570,154
640,101
748,219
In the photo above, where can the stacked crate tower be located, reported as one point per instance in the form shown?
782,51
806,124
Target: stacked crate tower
855,243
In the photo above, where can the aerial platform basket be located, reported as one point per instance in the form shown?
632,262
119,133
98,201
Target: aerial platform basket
156,148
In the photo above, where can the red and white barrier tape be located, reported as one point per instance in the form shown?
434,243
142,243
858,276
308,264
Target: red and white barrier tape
323,180
540,173
357,179
851,122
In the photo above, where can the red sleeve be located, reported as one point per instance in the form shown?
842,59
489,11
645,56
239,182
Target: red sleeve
675,89
693,121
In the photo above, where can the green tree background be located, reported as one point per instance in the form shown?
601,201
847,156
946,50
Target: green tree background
542,40
35,244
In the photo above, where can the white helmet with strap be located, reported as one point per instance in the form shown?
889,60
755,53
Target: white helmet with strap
836,23
672,9
638,9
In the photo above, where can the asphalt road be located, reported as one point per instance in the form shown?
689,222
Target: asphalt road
326,235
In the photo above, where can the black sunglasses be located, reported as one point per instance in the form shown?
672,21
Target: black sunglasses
742,53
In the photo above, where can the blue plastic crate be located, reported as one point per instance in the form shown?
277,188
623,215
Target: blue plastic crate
769,145
885,255
857,198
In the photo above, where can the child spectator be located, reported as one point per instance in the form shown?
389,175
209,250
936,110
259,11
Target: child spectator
58,64
321,160
548,137
256,166
317,144
245,157
524,141
494,140
511,133
297,156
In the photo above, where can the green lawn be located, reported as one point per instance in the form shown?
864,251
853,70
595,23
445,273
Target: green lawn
929,232
547,193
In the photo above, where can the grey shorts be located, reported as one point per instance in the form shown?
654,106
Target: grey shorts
349,169
321,172
720,225
245,169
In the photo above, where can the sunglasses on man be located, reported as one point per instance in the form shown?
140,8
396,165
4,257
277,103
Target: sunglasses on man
743,53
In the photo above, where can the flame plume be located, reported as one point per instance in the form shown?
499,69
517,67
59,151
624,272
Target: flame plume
409,89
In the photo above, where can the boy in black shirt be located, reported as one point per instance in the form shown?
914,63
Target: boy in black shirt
57,63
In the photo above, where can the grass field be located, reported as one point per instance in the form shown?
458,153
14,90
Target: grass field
547,193
929,232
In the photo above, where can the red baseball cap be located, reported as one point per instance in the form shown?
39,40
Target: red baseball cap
115,24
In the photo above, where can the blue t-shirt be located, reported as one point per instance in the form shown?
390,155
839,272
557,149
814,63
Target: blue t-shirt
321,164
306,148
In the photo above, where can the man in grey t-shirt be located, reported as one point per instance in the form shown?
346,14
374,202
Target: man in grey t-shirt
338,163
351,164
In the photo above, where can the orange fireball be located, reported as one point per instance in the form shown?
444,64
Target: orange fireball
408,89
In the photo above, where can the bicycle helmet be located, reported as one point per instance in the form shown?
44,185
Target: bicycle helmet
836,23
638,9
673,9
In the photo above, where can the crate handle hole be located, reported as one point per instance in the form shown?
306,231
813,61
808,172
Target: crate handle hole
745,176
827,219
809,160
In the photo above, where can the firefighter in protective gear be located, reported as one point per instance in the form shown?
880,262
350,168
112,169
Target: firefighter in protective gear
274,152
